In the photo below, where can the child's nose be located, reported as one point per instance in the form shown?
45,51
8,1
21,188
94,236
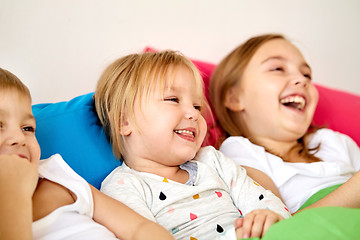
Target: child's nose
192,113
300,80
15,137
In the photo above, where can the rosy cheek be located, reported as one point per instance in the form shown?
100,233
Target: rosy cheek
37,151
203,128
316,96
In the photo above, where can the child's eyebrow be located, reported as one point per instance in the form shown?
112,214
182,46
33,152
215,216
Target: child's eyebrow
171,88
27,116
282,59
273,58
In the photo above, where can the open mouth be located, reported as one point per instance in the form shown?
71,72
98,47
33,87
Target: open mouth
186,134
296,102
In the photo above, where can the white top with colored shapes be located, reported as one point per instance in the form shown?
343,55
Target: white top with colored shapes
205,209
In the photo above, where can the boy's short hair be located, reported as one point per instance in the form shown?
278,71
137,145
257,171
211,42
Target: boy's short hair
9,80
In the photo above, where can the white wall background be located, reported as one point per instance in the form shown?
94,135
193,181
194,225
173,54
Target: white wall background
60,47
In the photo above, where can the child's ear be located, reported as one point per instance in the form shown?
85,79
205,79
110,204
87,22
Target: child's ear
232,100
125,127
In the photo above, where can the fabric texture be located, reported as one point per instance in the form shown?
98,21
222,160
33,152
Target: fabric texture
339,153
71,221
222,192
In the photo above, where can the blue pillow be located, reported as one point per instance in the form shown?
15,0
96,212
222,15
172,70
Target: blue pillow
73,130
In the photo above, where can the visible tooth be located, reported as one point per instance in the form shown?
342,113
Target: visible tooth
299,100
302,104
184,131
296,99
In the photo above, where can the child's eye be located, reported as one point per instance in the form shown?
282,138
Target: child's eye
28,129
277,69
308,76
172,99
198,107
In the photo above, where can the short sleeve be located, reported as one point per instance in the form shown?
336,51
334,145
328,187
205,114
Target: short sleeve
348,145
243,152
128,189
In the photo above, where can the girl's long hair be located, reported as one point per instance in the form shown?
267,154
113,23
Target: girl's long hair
227,73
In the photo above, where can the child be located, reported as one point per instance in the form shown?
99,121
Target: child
61,205
264,100
150,107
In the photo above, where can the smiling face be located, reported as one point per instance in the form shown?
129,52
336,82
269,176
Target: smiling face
274,99
17,125
169,128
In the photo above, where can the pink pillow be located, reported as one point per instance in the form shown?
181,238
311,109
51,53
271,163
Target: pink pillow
337,110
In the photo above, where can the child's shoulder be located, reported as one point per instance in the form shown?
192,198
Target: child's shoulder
48,197
210,156
123,177
208,150
330,137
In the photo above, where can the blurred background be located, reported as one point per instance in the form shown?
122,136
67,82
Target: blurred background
59,48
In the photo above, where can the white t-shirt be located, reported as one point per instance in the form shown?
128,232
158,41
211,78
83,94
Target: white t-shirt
299,181
72,221
216,194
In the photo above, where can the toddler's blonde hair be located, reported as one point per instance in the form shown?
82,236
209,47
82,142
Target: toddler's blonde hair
130,79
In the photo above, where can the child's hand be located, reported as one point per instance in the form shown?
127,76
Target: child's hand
255,223
18,173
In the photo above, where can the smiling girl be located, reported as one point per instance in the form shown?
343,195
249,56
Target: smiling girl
264,99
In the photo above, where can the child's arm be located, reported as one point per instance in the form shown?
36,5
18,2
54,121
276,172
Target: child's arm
18,180
347,195
123,221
